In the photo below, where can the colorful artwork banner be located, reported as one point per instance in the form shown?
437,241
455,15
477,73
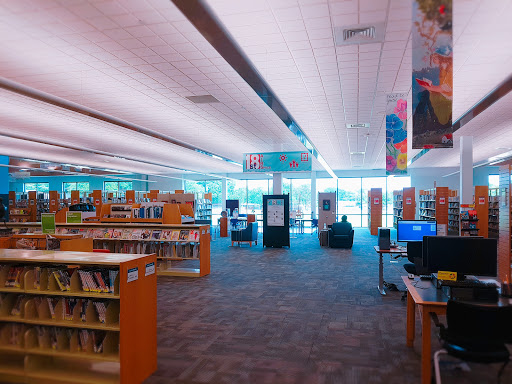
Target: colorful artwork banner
432,74
396,134
277,162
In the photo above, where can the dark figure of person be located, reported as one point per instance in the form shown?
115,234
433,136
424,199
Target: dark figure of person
347,224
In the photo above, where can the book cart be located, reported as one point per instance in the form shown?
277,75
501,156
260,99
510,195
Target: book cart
171,243
60,324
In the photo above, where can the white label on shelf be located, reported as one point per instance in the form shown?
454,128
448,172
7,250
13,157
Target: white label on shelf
150,269
442,200
52,202
481,200
31,202
408,201
10,202
376,201
133,274
97,202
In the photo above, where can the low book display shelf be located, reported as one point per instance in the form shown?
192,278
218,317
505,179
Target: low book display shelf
77,317
171,243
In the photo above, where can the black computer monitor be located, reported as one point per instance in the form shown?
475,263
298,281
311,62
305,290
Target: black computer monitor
462,254
414,230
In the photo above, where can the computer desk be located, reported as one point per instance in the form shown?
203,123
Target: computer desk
400,251
429,299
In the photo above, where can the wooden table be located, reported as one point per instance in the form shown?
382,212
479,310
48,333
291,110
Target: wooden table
429,300
400,251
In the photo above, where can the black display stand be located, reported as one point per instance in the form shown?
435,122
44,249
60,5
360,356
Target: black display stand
276,229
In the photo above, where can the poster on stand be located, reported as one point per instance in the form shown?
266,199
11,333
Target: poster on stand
432,74
275,213
396,134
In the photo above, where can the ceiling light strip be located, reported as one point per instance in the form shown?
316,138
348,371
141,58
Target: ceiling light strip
95,152
46,98
205,21
492,97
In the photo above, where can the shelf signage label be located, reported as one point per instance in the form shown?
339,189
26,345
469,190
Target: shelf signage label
31,202
150,269
277,162
481,200
442,200
73,217
408,201
133,274
48,223
376,201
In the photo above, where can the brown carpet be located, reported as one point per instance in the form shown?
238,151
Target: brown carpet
300,315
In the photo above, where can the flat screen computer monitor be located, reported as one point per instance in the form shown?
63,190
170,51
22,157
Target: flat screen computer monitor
414,230
462,254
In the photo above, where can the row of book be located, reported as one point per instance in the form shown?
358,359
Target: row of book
57,338
14,275
57,308
167,249
129,234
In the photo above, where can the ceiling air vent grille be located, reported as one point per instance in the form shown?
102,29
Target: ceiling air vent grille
359,33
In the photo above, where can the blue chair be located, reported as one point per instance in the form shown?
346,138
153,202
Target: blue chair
246,235
314,224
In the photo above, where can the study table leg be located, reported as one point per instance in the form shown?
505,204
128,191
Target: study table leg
426,349
411,320
381,275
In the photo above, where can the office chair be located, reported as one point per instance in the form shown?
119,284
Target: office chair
415,256
314,224
475,333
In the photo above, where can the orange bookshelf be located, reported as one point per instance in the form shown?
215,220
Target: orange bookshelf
374,210
129,350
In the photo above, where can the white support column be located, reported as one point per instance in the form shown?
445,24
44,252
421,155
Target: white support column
277,186
224,193
313,195
466,170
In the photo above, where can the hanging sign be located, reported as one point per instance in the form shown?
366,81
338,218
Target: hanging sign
396,134
432,74
277,162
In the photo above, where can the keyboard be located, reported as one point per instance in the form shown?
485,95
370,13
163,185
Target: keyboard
469,284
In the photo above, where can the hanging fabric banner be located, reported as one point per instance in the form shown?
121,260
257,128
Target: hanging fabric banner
432,74
396,134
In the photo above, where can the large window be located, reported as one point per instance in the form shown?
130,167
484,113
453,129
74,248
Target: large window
349,200
237,190
197,187
352,196
113,186
82,186
494,181
215,188
38,187
301,196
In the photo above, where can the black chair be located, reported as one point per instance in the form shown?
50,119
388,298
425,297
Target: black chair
248,234
415,256
341,235
475,333
314,224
